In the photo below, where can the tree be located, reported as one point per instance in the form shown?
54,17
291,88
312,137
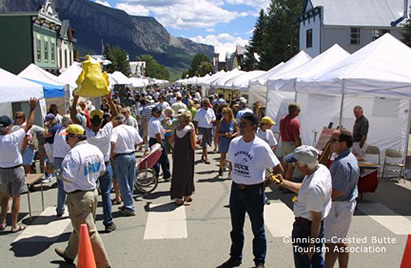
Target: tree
406,33
255,45
153,68
119,60
200,66
280,38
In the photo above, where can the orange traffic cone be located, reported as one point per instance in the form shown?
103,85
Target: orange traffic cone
406,258
85,251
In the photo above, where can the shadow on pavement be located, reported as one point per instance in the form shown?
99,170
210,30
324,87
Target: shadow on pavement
215,179
156,195
43,220
62,264
161,208
211,171
32,246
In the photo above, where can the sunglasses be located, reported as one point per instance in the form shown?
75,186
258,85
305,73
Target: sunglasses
332,140
71,135
19,117
243,125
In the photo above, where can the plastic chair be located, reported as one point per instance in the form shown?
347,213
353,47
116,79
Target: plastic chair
375,154
394,165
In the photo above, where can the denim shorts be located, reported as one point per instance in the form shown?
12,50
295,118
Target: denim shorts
28,156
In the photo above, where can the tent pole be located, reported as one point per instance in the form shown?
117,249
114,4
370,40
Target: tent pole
407,136
342,102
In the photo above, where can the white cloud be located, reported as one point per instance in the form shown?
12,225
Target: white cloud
182,14
254,3
136,10
210,30
104,3
222,42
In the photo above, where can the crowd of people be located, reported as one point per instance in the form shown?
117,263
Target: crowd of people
90,147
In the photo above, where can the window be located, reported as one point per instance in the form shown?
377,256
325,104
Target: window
60,58
38,49
65,59
378,33
53,52
46,51
309,38
355,36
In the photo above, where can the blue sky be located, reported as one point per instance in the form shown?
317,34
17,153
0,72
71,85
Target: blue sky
221,23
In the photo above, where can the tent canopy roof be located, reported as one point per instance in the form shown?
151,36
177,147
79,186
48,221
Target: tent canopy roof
22,89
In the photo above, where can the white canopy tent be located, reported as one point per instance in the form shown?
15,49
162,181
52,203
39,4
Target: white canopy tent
121,79
34,72
207,82
137,82
375,77
220,82
278,100
71,74
258,86
241,82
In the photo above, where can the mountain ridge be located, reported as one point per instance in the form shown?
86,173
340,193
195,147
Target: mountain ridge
137,35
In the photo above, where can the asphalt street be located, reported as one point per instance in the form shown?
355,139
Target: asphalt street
164,235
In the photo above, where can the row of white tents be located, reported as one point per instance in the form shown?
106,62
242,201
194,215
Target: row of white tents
33,81
329,86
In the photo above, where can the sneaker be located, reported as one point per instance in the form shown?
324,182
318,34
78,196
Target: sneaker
231,262
46,179
59,215
127,212
259,266
266,201
220,172
110,228
62,254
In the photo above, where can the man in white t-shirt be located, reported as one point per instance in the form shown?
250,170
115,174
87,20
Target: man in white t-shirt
156,135
79,172
12,174
204,119
249,157
178,105
312,206
100,137
60,150
124,140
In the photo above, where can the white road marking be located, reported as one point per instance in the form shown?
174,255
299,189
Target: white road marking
397,224
278,219
166,221
40,231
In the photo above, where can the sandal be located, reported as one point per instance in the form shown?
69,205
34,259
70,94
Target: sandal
20,228
179,202
3,227
220,172
206,161
115,202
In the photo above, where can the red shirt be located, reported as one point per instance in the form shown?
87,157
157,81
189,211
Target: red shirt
289,128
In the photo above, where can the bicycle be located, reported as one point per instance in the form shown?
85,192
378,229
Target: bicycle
146,179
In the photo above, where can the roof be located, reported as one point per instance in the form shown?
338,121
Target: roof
359,13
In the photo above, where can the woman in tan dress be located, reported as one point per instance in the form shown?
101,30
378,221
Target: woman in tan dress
184,139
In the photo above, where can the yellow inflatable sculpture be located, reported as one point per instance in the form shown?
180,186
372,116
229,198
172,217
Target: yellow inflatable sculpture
92,83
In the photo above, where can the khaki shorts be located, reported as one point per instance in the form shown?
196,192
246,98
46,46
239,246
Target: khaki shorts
13,181
49,151
287,147
338,221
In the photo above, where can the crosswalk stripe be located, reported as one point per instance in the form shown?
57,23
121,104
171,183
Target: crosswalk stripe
166,221
278,219
40,230
386,217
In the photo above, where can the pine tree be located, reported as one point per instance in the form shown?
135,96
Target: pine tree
255,45
406,33
280,39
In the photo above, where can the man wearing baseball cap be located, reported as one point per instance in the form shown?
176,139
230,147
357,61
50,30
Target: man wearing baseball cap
156,135
265,133
312,206
99,136
12,174
81,168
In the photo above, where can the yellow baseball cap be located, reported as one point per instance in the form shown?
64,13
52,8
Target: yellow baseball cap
267,120
98,113
73,129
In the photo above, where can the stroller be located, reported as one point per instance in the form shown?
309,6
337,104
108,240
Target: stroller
146,179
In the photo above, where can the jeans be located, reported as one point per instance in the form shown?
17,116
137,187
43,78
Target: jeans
125,166
252,202
61,194
163,161
106,183
302,229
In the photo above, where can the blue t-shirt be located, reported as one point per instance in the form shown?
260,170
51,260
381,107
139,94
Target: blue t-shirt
345,173
52,130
